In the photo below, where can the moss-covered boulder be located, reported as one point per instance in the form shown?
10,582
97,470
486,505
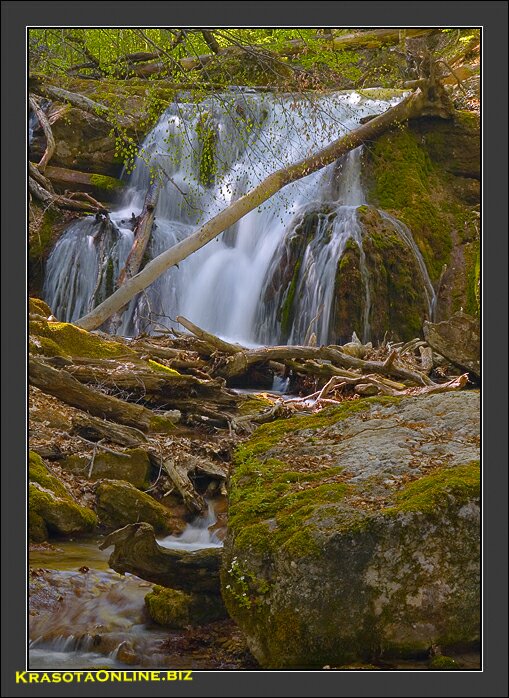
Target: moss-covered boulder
119,503
131,465
354,534
51,508
36,306
68,340
177,609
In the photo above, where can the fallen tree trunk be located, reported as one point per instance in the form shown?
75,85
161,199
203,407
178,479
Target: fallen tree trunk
137,552
63,386
74,98
95,429
50,199
178,474
431,100
212,340
240,362
142,233
83,181
50,139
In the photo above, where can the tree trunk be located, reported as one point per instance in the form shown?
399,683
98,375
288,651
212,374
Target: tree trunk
137,552
95,429
178,474
48,198
419,102
50,140
142,233
63,386
239,363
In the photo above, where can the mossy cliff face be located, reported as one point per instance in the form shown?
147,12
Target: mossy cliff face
354,534
427,174
51,508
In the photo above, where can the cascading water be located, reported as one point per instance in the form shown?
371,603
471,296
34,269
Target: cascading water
208,155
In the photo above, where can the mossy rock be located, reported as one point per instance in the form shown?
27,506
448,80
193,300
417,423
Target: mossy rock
36,306
52,509
355,532
65,339
426,173
119,503
443,663
131,465
177,609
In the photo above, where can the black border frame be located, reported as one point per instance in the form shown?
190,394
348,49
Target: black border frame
492,16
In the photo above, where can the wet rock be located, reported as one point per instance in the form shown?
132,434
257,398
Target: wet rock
131,465
119,503
458,339
137,551
355,533
51,508
177,609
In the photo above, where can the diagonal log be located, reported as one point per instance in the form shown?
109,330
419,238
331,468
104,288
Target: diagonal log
426,101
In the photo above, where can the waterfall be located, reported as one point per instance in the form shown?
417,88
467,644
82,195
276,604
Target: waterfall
209,154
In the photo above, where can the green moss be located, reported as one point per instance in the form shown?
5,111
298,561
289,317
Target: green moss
51,508
253,404
405,183
287,309
41,242
207,135
473,271
36,306
161,368
431,492
443,663
38,472
268,435
177,609
65,339
119,504
272,505
105,182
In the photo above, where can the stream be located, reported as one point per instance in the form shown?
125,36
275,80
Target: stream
85,615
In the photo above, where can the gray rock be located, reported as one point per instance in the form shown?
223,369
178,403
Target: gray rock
458,339
354,533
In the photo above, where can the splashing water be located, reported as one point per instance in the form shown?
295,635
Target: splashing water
224,286
196,535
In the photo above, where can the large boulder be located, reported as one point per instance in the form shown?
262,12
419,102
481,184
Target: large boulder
51,507
458,339
354,533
